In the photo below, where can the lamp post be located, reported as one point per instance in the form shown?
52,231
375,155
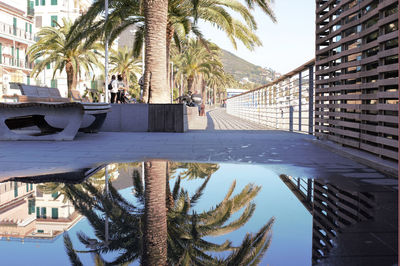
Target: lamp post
106,192
106,54
172,82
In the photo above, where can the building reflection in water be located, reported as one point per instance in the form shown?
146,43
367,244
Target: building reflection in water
41,211
28,213
333,209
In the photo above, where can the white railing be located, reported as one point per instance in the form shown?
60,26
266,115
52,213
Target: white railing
287,103
11,30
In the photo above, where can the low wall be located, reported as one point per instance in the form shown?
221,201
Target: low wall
127,118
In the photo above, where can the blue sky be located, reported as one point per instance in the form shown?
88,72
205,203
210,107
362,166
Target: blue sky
286,45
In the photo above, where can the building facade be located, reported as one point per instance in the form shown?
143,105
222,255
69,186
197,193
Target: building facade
356,93
27,212
49,13
16,35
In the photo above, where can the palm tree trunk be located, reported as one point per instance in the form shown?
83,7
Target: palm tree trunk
203,90
190,83
214,96
71,77
155,216
169,198
156,12
170,34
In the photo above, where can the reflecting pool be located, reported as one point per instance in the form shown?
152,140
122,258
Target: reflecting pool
195,214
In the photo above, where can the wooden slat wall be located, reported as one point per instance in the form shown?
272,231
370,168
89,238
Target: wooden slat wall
356,86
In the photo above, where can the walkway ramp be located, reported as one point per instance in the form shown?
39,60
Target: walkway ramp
218,119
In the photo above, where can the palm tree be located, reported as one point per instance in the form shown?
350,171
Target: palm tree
186,229
155,75
155,214
198,61
53,48
126,64
193,170
182,18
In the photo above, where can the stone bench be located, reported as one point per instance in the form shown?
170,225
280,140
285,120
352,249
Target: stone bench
42,95
17,116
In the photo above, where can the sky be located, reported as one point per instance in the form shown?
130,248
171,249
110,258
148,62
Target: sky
286,45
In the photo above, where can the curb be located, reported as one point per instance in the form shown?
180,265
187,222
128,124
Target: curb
381,165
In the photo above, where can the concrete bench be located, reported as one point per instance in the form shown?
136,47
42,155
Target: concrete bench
17,116
42,95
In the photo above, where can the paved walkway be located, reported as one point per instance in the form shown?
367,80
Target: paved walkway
218,119
284,152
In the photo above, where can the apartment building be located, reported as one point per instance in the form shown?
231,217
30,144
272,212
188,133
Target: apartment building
27,212
356,94
16,35
47,14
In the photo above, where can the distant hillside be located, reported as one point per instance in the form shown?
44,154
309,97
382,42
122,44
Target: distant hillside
240,69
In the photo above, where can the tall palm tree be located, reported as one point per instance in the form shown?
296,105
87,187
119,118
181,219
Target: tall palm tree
219,82
123,62
186,229
198,61
155,214
155,75
53,48
182,18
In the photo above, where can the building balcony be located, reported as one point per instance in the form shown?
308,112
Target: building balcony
17,32
7,61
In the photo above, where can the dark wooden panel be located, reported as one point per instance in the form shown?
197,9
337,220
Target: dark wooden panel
166,118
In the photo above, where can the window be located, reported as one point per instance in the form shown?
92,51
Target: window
15,189
55,194
28,82
15,26
36,2
38,21
43,212
12,55
53,2
18,57
43,2
53,21
48,66
30,28
31,206
27,187
54,213
37,212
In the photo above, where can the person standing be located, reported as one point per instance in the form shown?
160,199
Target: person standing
114,89
121,89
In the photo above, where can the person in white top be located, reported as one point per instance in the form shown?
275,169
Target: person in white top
121,89
114,89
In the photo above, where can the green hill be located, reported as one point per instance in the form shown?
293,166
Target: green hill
240,69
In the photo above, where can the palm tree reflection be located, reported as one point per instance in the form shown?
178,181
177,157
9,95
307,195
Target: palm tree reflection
158,233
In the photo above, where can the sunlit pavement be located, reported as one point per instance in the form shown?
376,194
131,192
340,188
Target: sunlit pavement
291,153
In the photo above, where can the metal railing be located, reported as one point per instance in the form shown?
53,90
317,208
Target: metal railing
19,63
287,103
12,30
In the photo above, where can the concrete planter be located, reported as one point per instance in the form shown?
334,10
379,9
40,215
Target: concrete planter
146,118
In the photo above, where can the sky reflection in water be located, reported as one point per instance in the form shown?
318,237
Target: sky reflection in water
291,231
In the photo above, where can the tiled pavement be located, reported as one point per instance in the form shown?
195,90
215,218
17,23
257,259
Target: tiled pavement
223,140
220,138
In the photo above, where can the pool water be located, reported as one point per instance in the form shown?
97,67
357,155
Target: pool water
300,220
